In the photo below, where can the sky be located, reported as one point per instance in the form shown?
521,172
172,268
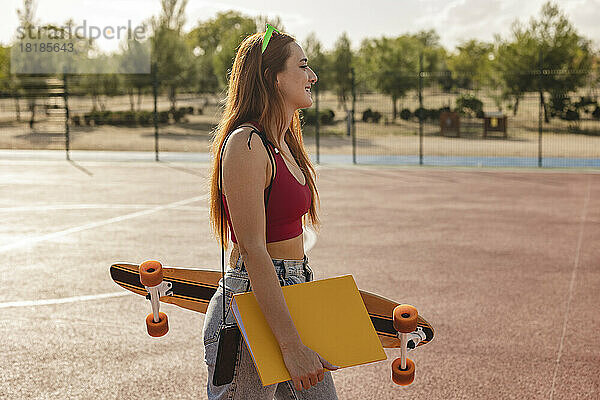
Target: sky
454,20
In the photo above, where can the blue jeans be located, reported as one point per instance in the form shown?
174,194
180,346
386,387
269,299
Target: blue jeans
246,382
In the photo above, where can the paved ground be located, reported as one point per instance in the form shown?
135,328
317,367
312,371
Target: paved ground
505,264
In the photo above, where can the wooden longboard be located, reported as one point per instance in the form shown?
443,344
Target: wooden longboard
193,289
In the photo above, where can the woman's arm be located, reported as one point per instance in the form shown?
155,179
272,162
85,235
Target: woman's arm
244,180
244,175
267,290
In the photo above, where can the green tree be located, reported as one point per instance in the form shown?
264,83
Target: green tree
225,52
434,59
340,64
471,64
434,55
35,86
4,63
171,52
26,86
7,84
134,56
391,64
215,43
172,14
319,61
550,42
99,85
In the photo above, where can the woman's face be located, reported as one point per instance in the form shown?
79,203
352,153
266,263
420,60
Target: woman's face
295,81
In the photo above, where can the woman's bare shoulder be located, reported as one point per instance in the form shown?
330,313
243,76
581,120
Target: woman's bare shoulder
246,156
245,147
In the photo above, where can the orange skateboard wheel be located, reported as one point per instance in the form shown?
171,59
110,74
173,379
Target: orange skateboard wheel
400,376
151,273
157,329
405,318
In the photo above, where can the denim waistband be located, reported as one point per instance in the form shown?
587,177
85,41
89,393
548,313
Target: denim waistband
286,266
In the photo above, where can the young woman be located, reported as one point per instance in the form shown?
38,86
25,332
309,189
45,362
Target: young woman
264,95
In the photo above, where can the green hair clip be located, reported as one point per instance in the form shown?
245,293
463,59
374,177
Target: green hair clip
267,36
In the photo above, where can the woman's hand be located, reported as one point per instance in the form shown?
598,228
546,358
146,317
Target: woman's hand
305,365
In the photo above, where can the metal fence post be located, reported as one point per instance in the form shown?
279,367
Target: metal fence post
66,100
540,116
155,93
420,116
352,126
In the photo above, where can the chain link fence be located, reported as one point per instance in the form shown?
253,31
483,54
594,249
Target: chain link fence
435,124
432,124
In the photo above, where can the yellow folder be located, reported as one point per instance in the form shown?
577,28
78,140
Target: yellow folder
330,318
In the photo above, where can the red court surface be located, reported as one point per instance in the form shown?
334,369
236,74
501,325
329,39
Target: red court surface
504,264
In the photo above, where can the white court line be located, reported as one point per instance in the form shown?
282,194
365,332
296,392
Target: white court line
37,239
91,207
33,303
310,239
571,285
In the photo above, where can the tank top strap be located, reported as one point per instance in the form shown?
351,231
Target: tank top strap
257,128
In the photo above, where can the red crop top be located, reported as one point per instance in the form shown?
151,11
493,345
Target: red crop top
288,202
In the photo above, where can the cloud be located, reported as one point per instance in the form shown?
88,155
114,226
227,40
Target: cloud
584,15
472,12
454,20
460,20
204,10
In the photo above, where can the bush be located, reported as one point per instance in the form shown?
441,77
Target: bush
114,118
421,113
596,113
376,117
586,103
178,114
468,104
130,118
99,117
558,104
146,118
434,114
405,114
572,115
326,116
163,117
561,106
121,118
371,116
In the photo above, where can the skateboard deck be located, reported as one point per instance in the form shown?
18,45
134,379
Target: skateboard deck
193,288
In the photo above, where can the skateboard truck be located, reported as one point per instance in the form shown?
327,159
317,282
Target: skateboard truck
414,338
151,276
405,322
164,289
